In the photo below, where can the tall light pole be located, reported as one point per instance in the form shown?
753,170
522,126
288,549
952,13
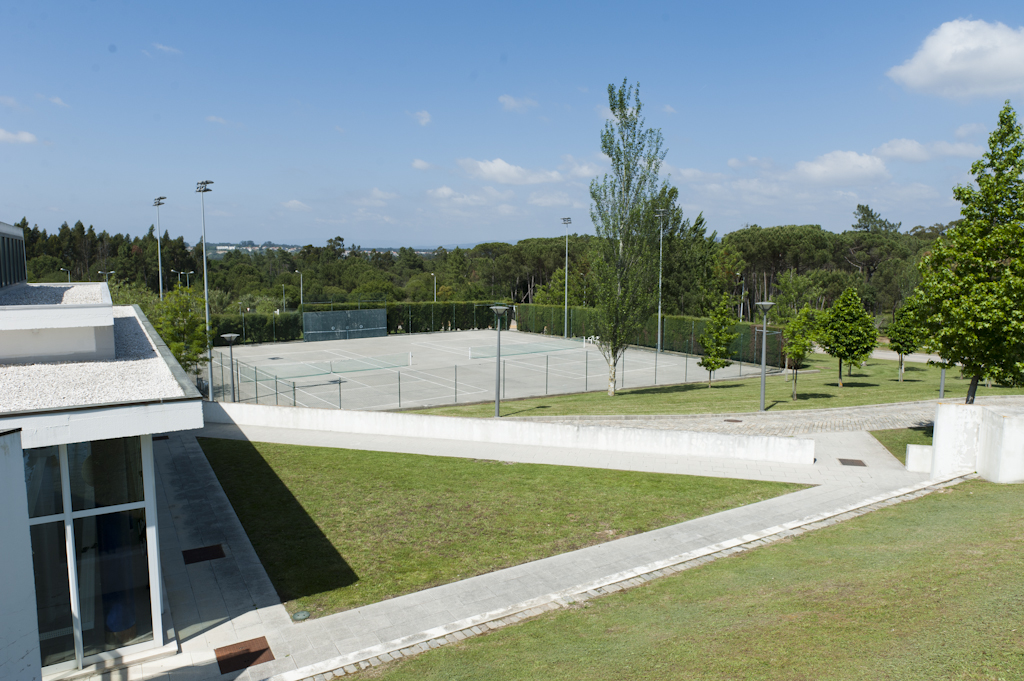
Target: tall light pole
106,275
64,269
764,306
202,188
566,222
301,305
661,213
159,201
435,286
500,311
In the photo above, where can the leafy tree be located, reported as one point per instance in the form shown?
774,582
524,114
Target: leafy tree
717,337
800,334
905,332
847,330
626,265
972,287
181,322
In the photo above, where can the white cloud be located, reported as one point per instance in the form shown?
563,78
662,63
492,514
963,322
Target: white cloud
377,198
506,209
763,163
57,100
516,104
10,102
842,167
423,117
970,130
549,199
339,129
420,164
579,169
668,109
216,119
165,48
912,150
488,195
296,205
16,137
962,59
505,173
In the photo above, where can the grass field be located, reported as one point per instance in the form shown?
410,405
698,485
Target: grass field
927,589
339,528
875,383
896,440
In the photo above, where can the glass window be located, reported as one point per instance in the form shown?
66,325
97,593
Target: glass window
53,595
42,481
113,580
105,473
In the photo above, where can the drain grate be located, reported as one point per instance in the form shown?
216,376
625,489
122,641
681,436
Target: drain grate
203,553
852,462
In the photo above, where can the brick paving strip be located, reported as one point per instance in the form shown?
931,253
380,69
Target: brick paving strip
786,423
479,625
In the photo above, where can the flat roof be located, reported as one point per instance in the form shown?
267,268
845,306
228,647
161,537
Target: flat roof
138,373
85,293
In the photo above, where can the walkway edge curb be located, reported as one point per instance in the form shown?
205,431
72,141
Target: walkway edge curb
477,625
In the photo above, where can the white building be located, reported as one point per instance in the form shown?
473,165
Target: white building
84,385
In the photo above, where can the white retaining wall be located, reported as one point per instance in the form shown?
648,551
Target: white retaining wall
506,431
973,437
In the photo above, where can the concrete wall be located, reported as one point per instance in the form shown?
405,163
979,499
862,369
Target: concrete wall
919,458
74,344
972,437
956,440
1001,454
19,628
504,431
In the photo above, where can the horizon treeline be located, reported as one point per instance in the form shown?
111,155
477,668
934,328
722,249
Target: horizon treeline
792,265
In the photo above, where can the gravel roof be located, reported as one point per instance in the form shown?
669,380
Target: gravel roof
137,373
60,294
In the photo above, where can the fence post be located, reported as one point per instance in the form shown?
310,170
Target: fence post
546,357
456,384
294,404
220,360
741,354
399,389
504,374
339,393
586,371
256,383
277,391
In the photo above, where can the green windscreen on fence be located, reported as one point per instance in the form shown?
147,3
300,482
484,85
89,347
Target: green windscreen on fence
344,324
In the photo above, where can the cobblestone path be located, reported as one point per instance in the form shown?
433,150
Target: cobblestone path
783,423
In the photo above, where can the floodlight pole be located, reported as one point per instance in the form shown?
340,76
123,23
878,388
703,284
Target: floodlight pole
302,307
435,289
499,311
660,212
230,338
202,188
764,307
64,269
566,222
159,201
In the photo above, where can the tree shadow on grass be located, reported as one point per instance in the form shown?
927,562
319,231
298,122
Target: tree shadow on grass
813,396
298,558
852,384
678,389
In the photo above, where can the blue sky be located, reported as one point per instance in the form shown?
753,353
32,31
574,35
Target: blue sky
441,123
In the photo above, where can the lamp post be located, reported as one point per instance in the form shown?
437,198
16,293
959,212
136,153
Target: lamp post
301,306
661,213
566,222
500,311
435,286
743,293
64,269
764,306
230,338
159,201
106,274
201,188
242,312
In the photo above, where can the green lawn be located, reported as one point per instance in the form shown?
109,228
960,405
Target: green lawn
875,383
340,528
927,589
896,440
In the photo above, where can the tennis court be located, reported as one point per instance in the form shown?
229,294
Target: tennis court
420,370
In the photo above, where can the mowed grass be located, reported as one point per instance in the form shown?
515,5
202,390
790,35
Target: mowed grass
875,383
897,439
340,528
927,589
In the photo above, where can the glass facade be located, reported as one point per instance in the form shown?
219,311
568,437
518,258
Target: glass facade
92,497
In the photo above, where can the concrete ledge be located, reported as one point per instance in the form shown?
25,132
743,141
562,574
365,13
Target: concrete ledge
504,431
919,458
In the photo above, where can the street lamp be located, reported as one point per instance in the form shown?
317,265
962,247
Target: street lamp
64,269
764,306
435,286
159,201
500,311
106,275
565,332
230,338
201,188
661,213
301,307
179,273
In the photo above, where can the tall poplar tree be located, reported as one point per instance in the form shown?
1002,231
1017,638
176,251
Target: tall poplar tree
971,293
626,266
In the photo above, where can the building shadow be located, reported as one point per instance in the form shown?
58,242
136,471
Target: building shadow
299,559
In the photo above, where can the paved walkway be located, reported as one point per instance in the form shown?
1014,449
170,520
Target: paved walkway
788,423
229,600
